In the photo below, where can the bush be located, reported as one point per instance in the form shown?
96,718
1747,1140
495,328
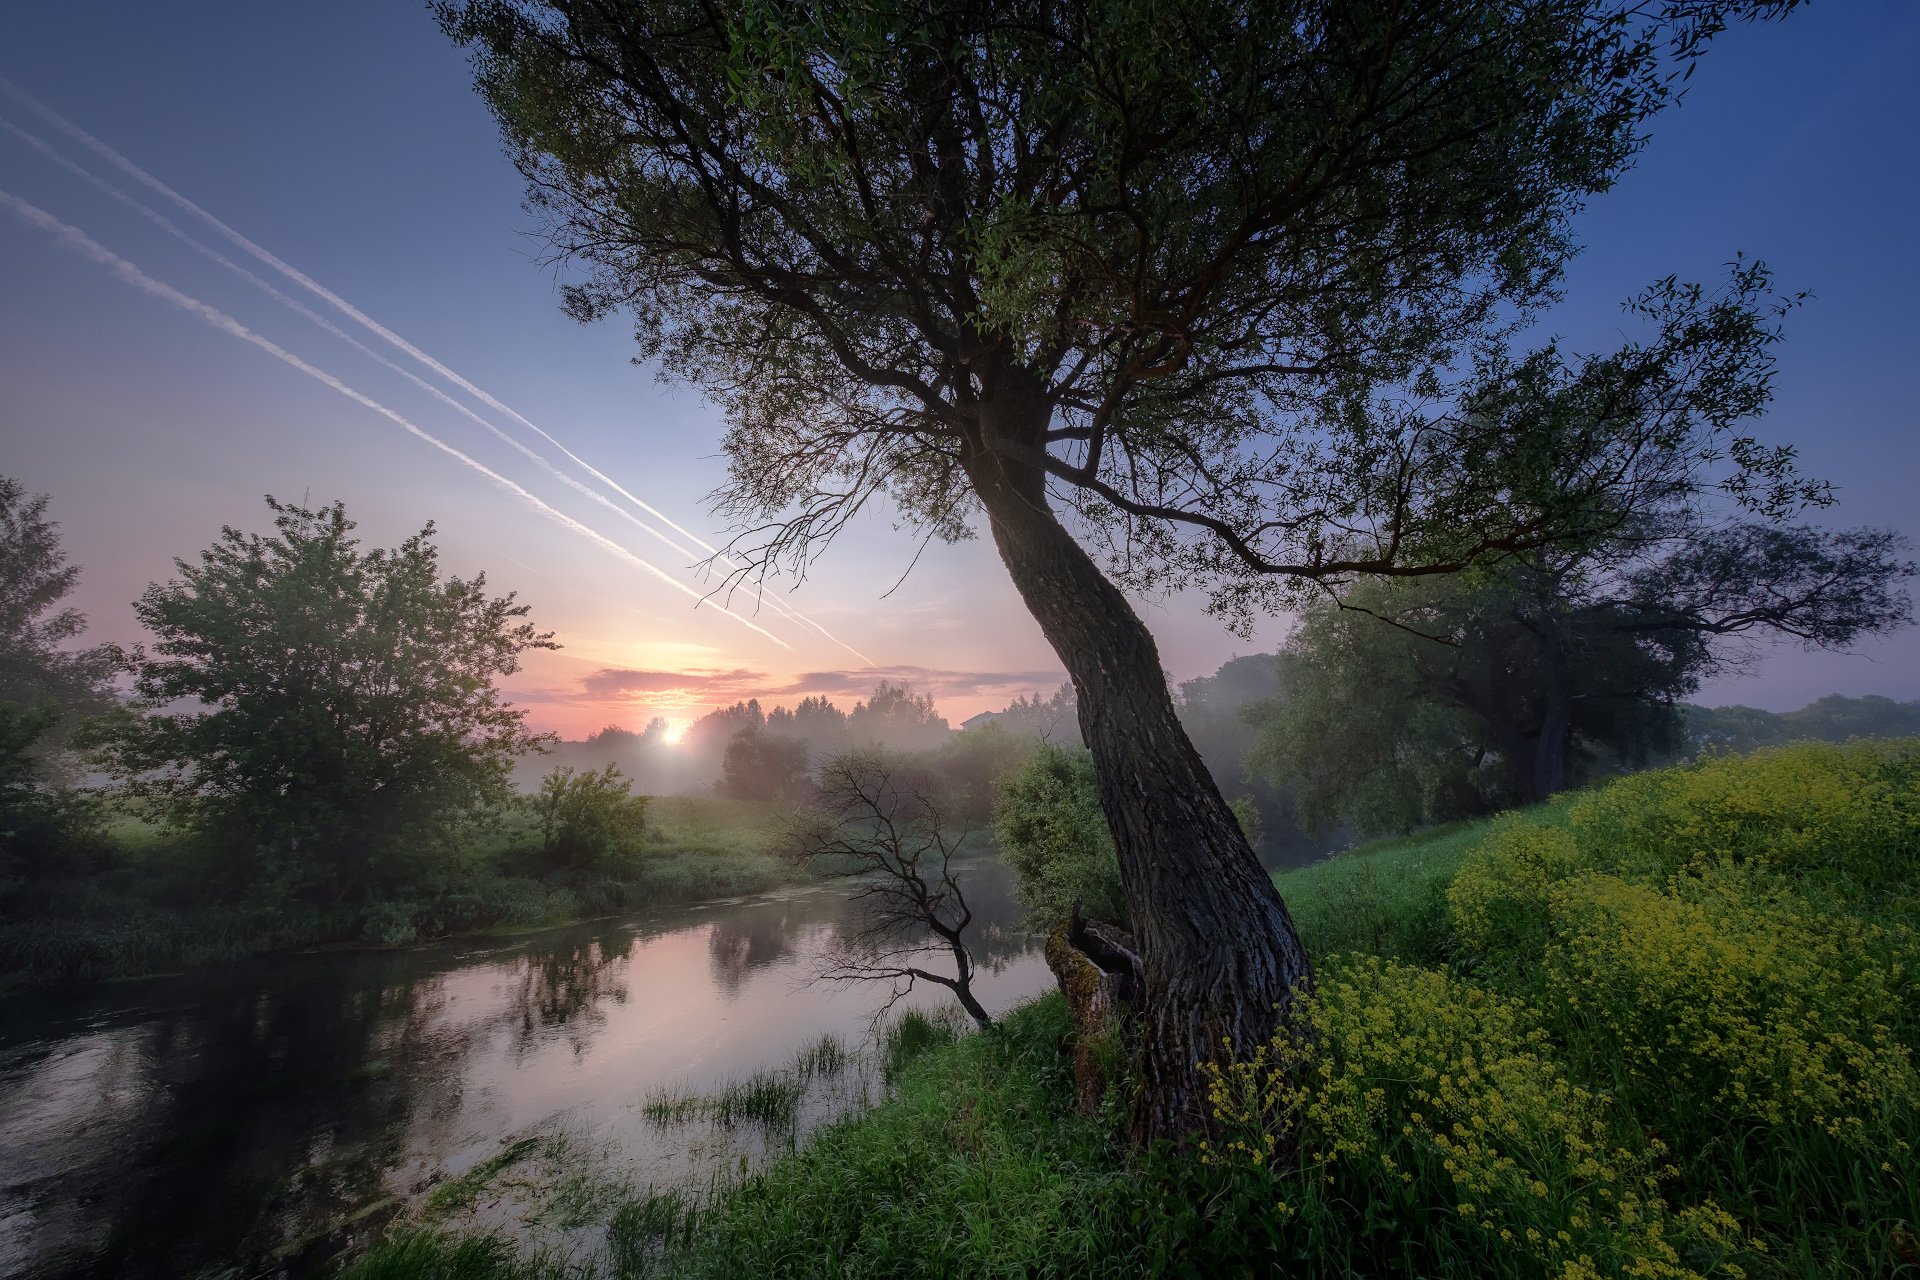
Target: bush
1053,832
588,819
1437,1136
1498,901
1730,998
1846,814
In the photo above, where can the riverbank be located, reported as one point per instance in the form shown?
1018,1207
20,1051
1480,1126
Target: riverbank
258,1117
140,913
1666,1028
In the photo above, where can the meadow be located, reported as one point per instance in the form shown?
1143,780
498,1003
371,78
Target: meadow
142,907
1662,1028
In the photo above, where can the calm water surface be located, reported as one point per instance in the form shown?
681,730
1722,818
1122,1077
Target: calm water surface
245,1121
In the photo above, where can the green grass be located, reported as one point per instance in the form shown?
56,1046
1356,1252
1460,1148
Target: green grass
144,911
1388,897
905,1038
769,1099
822,1060
977,1165
461,1191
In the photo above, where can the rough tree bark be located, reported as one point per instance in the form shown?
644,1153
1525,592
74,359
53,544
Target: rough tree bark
1222,960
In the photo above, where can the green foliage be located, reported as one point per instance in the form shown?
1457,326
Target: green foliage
1053,832
588,819
1410,702
976,1166
40,673
143,906
45,829
1351,730
1834,718
345,719
1679,1027
1114,263
763,766
971,765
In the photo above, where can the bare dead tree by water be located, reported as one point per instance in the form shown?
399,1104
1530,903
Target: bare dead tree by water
887,820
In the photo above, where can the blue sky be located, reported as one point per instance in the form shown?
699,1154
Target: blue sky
345,139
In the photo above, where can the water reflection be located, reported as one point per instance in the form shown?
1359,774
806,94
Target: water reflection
561,991
241,1116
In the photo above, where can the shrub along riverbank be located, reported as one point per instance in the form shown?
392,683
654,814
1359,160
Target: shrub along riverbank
1662,1029
144,906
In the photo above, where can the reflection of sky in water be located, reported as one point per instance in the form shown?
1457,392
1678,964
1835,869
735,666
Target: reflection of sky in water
231,1116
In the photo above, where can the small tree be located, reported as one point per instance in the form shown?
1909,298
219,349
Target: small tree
45,828
588,818
1048,822
880,815
764,766
326,713
39,669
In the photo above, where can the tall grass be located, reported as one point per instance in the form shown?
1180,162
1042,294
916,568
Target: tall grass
769,1099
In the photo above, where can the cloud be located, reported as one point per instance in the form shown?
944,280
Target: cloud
618,682
858,684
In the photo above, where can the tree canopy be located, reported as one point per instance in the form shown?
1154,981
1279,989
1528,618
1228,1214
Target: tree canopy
1438,699
326,712
41,670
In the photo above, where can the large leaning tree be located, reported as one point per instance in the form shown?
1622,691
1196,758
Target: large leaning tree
1140,272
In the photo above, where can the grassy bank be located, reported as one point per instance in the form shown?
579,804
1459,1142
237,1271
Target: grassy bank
145,908
1665,1029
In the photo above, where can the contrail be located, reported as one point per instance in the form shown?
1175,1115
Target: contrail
77,240
347,309
285,299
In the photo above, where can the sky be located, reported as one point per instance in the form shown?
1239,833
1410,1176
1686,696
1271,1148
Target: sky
157,395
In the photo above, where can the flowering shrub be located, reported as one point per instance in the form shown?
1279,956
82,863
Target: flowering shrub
1438,1107
1851,811
1680,1041
1498,899
1730,997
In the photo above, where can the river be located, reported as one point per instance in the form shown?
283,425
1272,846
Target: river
250,1120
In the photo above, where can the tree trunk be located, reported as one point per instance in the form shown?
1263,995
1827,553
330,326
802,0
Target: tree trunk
1556,719
1222,961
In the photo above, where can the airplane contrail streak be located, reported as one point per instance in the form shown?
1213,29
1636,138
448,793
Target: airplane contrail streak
77,240
347,309
285,299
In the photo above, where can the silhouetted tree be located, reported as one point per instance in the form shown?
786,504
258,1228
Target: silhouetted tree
40,669
326,712
897,717
885,817
1162,261
764,766
1427,701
